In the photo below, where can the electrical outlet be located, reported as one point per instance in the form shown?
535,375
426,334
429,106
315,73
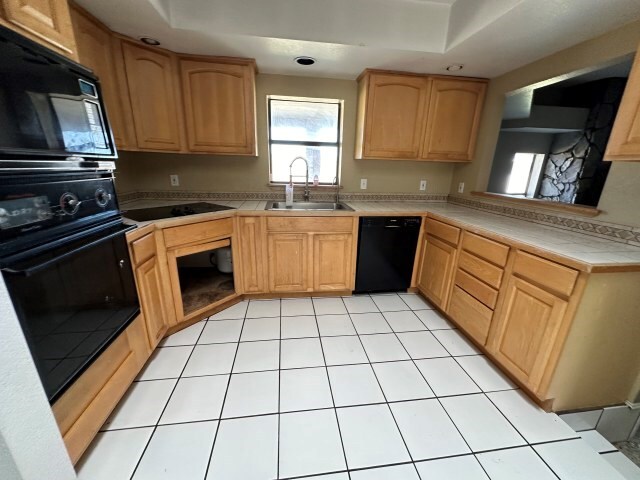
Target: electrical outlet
461,187
363,184
175,180
423,185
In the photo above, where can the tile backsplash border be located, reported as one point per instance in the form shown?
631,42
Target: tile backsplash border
605,230
589,226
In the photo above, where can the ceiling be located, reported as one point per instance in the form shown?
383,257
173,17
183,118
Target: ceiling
490,37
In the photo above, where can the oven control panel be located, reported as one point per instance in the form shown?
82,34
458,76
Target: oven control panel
26,207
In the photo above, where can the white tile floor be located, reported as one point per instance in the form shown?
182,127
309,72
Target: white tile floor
361,388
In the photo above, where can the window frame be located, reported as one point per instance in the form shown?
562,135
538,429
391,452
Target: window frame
337,144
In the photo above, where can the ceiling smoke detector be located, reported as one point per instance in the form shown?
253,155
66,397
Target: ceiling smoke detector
455,67
305,61
150,41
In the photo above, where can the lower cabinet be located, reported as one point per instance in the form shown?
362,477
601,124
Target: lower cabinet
84,407
311,254
436,270
332,262
526,328
150,289
472,316
289,261
252,248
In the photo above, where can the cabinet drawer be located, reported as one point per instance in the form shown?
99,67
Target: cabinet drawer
144,248
547,274
482,247
309,224
480,290
197,232
472,316
481,269
445,232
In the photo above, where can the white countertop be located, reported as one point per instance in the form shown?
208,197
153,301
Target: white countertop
574,245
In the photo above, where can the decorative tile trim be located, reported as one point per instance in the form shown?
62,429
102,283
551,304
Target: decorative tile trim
605,230
261,196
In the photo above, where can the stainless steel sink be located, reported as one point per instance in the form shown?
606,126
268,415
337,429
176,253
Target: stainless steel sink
318,206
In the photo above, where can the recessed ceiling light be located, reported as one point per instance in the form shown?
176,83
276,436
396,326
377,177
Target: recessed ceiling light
150,41
455,67
306,61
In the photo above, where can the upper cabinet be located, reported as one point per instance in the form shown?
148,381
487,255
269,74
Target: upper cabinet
154,90
453,118
418,117
101,52
45,21
393,116
219,101
624,142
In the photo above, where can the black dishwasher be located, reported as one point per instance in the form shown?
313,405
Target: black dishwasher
386,252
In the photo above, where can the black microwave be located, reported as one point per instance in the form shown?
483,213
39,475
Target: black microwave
50,106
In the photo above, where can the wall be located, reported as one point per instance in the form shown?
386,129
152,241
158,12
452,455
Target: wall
621,194
150,171
31,445
510,143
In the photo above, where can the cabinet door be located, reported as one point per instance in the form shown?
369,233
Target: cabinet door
151,301
250,233
395,116
219,104
453,118
436,270
525,331
289,262
152,80
45,21
332,262
624,142
95,50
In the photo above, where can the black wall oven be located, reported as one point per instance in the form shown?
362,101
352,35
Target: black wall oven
65,262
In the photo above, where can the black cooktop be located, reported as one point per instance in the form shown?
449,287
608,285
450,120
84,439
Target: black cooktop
158,213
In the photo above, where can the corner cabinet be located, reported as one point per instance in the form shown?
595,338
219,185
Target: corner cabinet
405,116
45,21
624,142
154,89
219,102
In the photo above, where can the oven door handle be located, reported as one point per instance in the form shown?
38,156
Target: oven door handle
42,266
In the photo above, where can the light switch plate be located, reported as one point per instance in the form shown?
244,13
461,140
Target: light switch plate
175,180
423,185
461,187
363,184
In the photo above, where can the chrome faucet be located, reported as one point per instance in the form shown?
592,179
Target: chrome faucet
306,182
335,180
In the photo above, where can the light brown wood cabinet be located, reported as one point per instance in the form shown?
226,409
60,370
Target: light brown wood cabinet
311,254
526,329
417,117
624,142
154,91
219,102
150,290
453,119
252,249
99,50
45,21
84,407
391,115
289,262
436,270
